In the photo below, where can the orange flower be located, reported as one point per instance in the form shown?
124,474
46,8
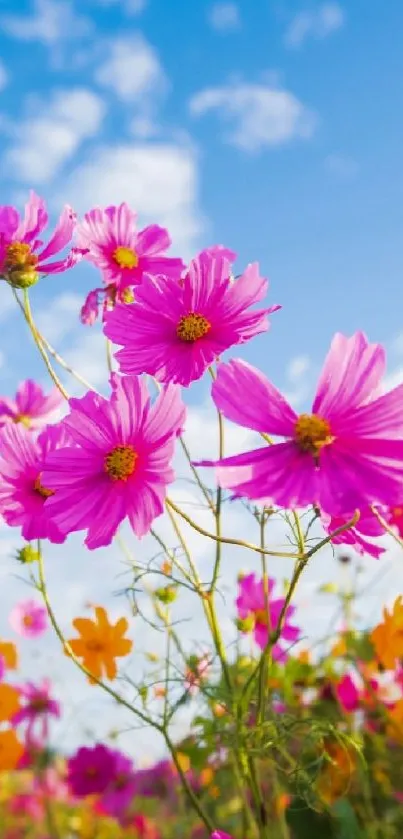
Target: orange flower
9,702
100,643
11,750
395,729
387,637
335,777
8,653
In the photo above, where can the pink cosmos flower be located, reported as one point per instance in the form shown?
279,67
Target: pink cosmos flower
90,770
176,333
251,602
22,491
30,407
121,789
219,834
38,707
29,619
367,525
22,255
122,253
344,455
348,693
122,464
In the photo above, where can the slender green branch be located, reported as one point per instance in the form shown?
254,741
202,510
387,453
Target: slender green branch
36,337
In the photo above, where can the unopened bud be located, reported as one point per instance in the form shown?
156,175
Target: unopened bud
166,595
27,554
246,624
22,279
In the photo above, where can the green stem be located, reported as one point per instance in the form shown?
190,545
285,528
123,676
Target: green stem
36,337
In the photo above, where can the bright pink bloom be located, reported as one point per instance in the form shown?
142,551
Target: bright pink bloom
15,231
175,333
219,834
367,525
121,252
39,706
22,491
26,804
251,602
90,770
30,407
29,619
121,790
348,693
346,454
122,464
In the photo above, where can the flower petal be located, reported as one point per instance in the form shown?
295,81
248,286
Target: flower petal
244,395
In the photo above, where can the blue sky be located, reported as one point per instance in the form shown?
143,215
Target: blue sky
271,126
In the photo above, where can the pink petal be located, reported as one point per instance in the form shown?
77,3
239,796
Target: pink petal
152,240
35,219
244,395
62,234
351,375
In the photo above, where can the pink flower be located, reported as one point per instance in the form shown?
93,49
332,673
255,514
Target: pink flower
30,407
197,672
394,517
121,789
251,602
90,770
343,456
175,333
22,255
122,253
39,706
348,693
219,834
367,525
22,491
29,619
122,464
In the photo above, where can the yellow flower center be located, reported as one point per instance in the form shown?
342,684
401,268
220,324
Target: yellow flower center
39,704
19,266
120,463
23,419
262,617
41,490
312,433
27,620
191,327
126,257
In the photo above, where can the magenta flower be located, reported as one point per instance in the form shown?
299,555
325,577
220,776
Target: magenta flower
175,333
343,456
22,491
122,464
121,252
30,407
251,603
91,770
348,693
219,834
121,789
38,708
22,255
367,525
29,619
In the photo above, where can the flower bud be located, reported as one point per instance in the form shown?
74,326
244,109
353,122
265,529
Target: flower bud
22,279
166,595
246,624
27,554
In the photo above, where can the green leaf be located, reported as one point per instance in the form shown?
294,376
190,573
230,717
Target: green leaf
347,823
308,824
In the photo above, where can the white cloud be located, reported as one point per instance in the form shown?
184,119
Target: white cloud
45,141
341,165
60,316
3,76
260,115
52,21
317,24
297,367
159,180
132,70
224,17
130,7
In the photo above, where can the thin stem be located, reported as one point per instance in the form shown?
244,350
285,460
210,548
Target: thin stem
196,475
226,540
36,337
109,359
188,789
387,527
217,516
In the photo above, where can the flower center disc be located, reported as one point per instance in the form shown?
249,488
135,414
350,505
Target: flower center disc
120,463
262,617
191,327
126,257
312,433
41,490
95,646
19,257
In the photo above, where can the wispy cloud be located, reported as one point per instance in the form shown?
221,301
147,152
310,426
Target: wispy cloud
159,179
51,22
130,7
131,69
45,141
260,115
317,24
224,17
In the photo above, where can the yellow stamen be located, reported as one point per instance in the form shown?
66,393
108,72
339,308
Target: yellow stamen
120,463
191,327
23,419
312,433
126,257
262,617
27,620
41,490
19,267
